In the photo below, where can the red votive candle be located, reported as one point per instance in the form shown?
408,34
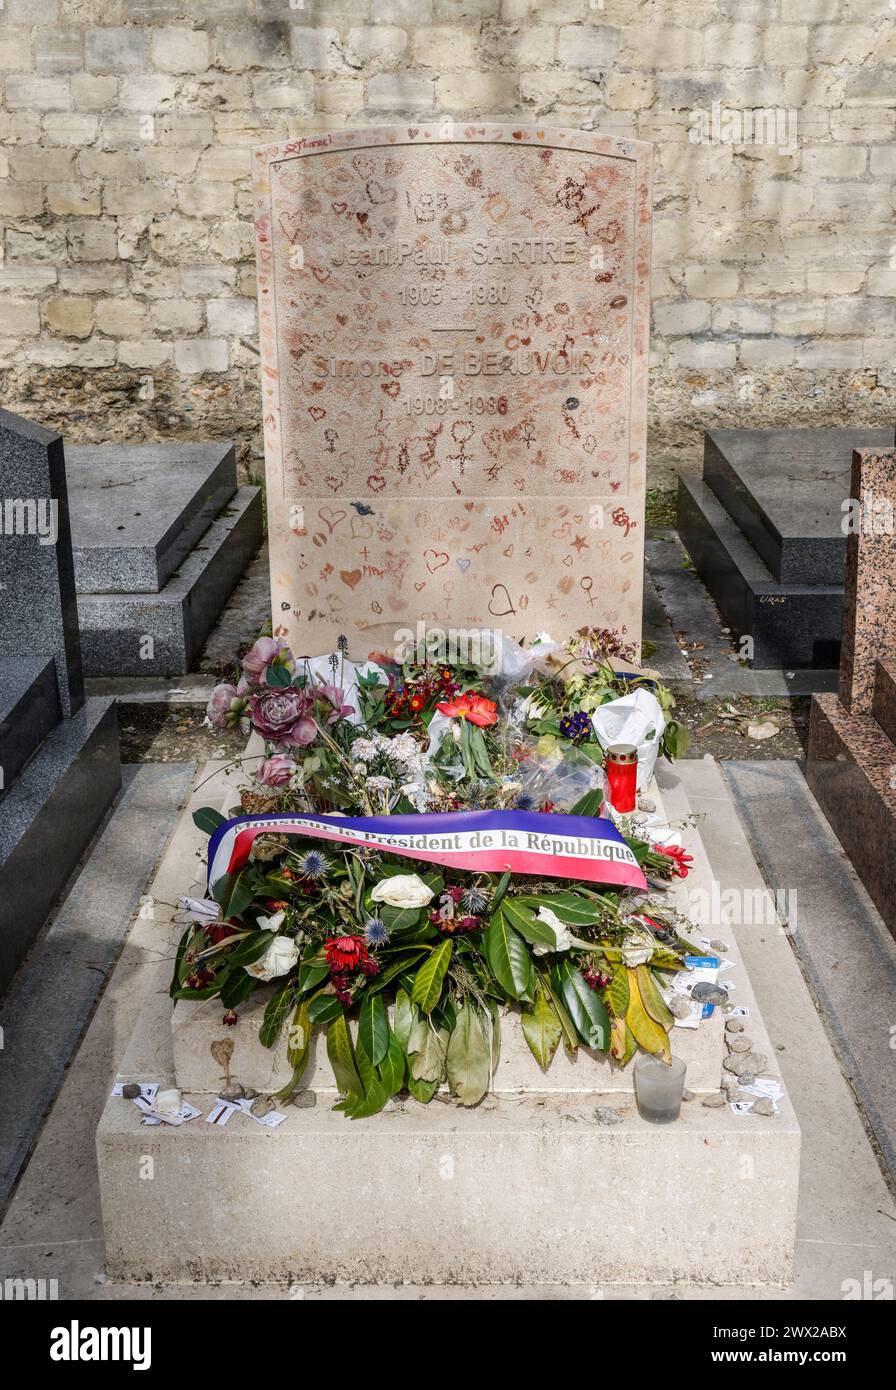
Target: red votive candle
622,776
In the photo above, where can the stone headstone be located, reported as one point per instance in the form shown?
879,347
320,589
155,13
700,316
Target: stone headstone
38,611
453,326
869,618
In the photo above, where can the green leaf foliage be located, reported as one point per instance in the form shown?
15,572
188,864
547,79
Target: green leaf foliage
430,976
508,957
207,820
467,1057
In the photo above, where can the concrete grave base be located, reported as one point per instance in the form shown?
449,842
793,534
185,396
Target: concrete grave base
526,1187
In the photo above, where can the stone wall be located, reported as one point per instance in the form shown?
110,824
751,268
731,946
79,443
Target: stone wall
127,275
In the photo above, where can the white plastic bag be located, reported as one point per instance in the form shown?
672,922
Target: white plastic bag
637,719
346,677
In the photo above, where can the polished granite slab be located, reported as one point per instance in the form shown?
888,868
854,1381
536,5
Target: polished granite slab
49,817
138,510
38,612
791,625
786,489
162,634
850,770
29,710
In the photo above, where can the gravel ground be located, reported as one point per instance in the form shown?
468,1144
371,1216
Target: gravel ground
162,734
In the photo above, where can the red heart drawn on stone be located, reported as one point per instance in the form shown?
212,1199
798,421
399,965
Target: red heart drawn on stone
316,412
339,208
413,132
517,135
342,319
376,483
350,577
439,560
334,483
391,388
320,273
330,518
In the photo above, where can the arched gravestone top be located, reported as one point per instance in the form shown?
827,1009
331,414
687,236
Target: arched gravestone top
454,330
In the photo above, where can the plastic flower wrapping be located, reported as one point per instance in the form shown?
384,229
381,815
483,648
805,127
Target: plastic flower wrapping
409,964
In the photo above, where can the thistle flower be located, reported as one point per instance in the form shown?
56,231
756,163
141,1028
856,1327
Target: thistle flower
376,933
314,865
473,902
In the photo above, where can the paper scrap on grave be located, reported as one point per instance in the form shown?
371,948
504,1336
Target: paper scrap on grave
700,968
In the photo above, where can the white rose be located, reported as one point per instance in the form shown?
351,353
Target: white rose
271,923
402,890
563,937
278,959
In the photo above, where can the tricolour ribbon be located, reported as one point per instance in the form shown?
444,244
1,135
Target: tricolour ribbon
526,842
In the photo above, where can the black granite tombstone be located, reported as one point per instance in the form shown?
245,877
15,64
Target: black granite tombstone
38,608
59,766
765,530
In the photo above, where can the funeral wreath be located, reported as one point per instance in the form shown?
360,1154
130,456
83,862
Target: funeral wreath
423,848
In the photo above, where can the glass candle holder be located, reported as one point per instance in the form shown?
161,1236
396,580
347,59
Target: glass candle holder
621,768
658,1088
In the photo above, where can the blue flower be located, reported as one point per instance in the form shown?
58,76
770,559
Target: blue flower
314,865
525,802
473,902
576,727
376,933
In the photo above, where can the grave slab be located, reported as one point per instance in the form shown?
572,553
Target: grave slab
138,510
195,1025
851,756
50,814
29,710
534,1161
115,627
785,489
453,322
35,557
791,625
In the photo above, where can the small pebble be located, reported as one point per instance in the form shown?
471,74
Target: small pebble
305,1100
764,1107
605,1116
743,1062
262,1105
249,1093
748,1079
726,1008
734,1025
706,993
720,945
232,1092
737,1044
646,804
714,1101
734,1095
679,1007
131,1091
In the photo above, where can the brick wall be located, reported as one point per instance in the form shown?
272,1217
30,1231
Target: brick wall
127,275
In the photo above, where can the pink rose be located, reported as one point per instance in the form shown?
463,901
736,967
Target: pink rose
284,716
267,651
227,707
276,771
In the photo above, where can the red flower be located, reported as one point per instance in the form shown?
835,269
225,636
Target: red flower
476,708
682,859
345,953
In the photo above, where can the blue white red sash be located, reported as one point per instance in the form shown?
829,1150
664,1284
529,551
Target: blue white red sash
526,842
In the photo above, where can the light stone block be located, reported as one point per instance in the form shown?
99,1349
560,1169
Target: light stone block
523,1187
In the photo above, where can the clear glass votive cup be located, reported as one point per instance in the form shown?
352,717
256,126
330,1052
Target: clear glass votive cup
658,1088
